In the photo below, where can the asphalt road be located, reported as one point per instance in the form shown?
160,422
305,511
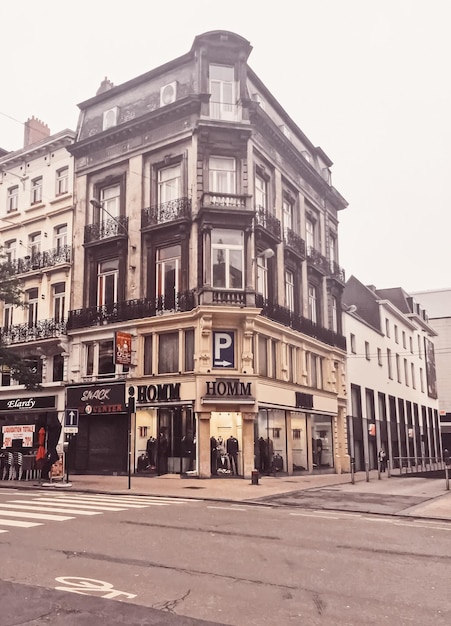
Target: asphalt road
142,560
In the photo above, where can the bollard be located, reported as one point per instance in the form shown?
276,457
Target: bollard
367,470
254,477
446,478
352,471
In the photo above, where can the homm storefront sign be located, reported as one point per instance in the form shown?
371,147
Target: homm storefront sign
165,392
228,390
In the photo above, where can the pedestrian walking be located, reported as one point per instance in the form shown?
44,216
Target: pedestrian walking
382,460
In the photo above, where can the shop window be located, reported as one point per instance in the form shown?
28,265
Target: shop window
168,353
227,257
58,368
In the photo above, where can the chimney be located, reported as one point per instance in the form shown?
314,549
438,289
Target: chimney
105,85
35,131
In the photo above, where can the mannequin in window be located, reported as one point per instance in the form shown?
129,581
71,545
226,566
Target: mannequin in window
163,451
189,449
232,451
223,459
151,448
213,456
319,451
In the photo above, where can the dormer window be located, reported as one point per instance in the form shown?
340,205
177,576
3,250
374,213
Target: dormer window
110,118
222,90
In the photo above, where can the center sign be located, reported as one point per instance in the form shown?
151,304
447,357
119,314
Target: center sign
224,348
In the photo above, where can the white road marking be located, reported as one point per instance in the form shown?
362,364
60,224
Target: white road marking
13,522
313,514
50,509
28,515
69,502
223,508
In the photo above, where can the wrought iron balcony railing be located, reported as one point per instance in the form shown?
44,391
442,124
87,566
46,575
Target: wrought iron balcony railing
318,260
298,322
294,242
166,212
269,222
23,333
337,272
225,200
130,310
41,260
117,227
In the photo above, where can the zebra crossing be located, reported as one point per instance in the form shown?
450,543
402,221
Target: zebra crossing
25,510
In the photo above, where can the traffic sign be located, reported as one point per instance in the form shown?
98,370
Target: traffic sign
224,349
71,420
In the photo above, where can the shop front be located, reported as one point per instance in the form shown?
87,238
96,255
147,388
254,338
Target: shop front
101,444
22,417
165,429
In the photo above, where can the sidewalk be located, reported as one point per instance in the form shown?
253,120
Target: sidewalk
428,496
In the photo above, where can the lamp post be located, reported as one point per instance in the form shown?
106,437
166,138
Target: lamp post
98,204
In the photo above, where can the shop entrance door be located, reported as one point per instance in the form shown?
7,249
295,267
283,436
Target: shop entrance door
176,441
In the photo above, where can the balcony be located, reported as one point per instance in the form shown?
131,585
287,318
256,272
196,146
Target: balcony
24,333
130,310
336,272
41,260
218,200
172,211
267,222
294,243
318,261
117,227
301,324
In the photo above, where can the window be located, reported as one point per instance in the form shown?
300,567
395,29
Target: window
107,281
273,347
110,203
32,302
169,183
332,252
406,372
389,364
262,276
261,192
227,258
222,90
289,290
34,242
168,353
396,334
387,327
412,375
420,353
367,351
59,296
398,368
313,304
148,355
106,367
13,199
411,344
62,181
100,359
315,370
36,190
5,375
58,368
110,118
9,250
60,235
290,363
168,275
421,380
309,235
262,355
8,312
352,341
222,175
189,350
287,216
379,356
334,303
404,344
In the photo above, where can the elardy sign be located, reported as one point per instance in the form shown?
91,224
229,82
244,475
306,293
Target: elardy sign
27,404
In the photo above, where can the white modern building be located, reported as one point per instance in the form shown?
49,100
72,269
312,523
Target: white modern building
392,387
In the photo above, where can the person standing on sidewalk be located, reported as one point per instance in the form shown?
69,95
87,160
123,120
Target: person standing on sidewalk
382,460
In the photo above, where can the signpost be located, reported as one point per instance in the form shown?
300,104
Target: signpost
70,429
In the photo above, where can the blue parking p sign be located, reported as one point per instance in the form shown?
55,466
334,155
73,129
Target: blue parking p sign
224,348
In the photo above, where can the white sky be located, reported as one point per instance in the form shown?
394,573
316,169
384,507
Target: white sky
367,80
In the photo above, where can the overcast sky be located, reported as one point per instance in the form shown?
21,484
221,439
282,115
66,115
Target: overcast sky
368,81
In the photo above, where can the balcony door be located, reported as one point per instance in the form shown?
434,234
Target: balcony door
107,282
168,268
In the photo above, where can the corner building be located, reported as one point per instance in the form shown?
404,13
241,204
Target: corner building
206,229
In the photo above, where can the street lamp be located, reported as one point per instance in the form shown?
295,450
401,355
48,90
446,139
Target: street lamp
97,204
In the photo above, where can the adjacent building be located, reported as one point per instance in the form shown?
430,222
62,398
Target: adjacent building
206,286
438,304
36,211
391,378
